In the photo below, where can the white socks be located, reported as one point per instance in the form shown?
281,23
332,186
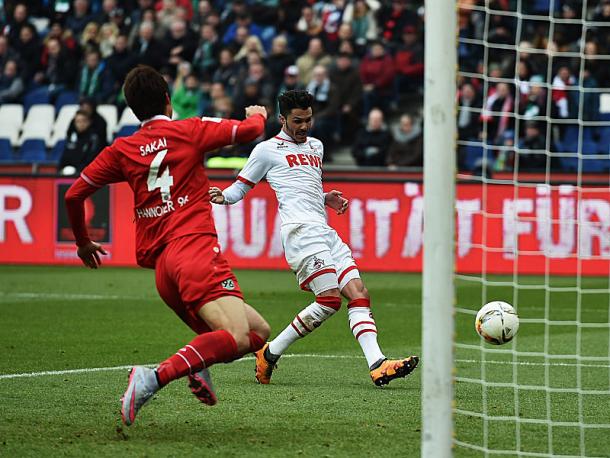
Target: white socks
305,322
363,326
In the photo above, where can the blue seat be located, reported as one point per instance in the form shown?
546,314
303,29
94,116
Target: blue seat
36,96
6,150
126,131
66,98
33,150
57,151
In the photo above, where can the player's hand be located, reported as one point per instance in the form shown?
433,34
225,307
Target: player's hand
216,196
89,254
256,109
336,202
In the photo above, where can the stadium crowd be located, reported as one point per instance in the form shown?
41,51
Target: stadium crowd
363,61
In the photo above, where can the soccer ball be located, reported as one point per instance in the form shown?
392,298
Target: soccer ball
497,322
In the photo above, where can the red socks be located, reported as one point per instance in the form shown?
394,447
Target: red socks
256,342
203,351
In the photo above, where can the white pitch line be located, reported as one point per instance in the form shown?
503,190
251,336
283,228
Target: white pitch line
66,296
301,355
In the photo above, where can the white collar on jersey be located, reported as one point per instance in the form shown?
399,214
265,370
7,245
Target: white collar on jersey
284,136
155,118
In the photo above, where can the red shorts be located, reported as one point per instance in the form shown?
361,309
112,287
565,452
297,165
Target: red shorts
190,272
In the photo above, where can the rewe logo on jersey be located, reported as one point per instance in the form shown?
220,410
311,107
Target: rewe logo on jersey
303,159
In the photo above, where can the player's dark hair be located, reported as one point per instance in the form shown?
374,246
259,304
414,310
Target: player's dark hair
296,98
146,92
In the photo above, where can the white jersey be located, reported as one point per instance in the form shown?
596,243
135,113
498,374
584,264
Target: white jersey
294,172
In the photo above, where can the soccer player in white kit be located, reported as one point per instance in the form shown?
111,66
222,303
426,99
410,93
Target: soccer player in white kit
322,262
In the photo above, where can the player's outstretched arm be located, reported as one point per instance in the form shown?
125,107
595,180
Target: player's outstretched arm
334,200
233,194
88,251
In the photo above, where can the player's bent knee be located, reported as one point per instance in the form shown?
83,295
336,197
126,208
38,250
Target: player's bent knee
334,292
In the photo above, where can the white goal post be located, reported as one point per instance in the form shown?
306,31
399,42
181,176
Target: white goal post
439,208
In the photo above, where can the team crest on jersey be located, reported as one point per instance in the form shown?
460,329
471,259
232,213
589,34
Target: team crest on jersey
317,263
228,284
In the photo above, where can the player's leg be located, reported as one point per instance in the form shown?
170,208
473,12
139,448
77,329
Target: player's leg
326,304
361,320
259,329
364,328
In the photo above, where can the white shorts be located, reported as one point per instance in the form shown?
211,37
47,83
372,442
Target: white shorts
313,250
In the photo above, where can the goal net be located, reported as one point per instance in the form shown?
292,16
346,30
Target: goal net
533,227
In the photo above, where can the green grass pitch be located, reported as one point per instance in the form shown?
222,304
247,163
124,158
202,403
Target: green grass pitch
321,401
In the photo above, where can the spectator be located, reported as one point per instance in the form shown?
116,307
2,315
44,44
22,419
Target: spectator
308,27
227,71
377,76
499,100
187,98
6,52
409,62
148,50
533,103
360,14
245,21
314,56
468,118
252,44
95,80
241,35
82,145
64,36
204,9
59,70
184,7
279,60
563,100
532,148
11,84
371,145
345,80
393,18
90,38
98,123
103,15
17,22
290,81
182,43
108,37
256,73
205,60
136,15
407,149
120,62
29,50
324,107
331,15
78,18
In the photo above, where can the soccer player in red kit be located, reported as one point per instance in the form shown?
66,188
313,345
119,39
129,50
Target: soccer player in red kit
175,233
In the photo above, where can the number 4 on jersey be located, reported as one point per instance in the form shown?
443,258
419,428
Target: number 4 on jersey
163,182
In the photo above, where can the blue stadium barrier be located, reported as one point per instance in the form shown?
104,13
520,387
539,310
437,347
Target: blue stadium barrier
33,150
6,150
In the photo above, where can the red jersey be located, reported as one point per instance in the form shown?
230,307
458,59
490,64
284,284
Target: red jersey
163,164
